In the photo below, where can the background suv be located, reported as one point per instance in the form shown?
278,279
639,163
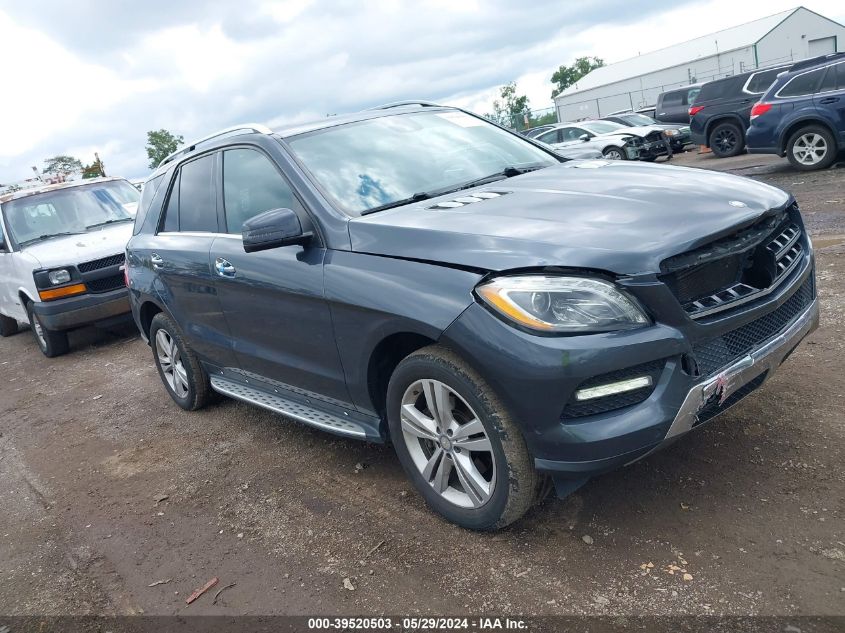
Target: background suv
673,105
802,115
504,316
722,110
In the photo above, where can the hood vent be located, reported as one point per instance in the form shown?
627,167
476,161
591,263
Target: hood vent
462,201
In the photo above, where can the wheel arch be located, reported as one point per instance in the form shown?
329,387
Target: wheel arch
146,312
794,126
385,357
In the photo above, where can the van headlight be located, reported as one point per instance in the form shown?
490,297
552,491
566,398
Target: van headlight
551,303
58,277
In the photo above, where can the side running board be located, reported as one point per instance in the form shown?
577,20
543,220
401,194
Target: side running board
300,412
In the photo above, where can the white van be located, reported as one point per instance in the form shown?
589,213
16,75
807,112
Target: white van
62,250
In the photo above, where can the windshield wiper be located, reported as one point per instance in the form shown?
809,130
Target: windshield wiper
507,172
47,236
112,221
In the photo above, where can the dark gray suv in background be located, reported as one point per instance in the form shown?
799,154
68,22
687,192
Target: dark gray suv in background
503,316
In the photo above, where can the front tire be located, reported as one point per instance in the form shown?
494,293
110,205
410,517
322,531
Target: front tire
614,153
726,140
8,326
178,367
457,443
812,147
51,343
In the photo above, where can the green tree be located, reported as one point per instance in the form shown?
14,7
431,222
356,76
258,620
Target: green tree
565,76
510,109
160,144
62,164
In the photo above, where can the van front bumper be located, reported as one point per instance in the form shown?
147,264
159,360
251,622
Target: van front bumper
88,309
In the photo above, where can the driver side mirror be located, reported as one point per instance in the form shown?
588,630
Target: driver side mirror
584,138
272,229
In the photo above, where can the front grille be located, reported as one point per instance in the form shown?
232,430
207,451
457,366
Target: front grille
104,284
734,270
105,262
580,408
712,408
715,353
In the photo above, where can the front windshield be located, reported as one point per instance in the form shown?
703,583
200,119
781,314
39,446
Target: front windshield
637,119
369,164
601,127
70,211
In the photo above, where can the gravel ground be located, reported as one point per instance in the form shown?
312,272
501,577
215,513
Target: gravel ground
109,488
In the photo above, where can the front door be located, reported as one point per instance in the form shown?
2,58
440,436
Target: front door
273,300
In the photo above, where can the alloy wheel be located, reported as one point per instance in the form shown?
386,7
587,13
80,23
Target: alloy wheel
810,148
448,443
614,154
725,140
170,361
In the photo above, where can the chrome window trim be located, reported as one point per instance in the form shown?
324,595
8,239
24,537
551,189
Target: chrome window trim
754,74
809,94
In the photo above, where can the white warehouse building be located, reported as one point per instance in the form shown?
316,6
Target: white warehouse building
636,82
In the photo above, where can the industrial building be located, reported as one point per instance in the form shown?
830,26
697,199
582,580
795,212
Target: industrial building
635,83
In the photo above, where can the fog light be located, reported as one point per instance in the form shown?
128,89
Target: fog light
613,388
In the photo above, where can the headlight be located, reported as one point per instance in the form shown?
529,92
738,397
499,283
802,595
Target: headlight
58,277
562,304
670,132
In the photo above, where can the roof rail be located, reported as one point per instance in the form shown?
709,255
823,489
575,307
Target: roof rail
231,131
812,61
410,102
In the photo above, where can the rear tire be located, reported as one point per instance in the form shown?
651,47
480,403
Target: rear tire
812,147
50,342
464,453
178,367
8,326
726,140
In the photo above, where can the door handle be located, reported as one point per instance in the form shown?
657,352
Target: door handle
829,100
156,261
224,268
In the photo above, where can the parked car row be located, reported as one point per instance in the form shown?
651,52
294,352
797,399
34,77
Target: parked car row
794,110
505,317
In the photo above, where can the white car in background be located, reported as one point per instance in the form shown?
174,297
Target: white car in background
62,250
614,141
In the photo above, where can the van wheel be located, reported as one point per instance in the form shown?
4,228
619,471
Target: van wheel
180,371
811,147
50,342
726,140
8,326
457,443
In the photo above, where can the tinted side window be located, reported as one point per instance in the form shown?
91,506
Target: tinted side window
692,95
549,137
197,199
805,84
252,185
758,83
572,133
840,74
673,98
147,195
828,80
171,213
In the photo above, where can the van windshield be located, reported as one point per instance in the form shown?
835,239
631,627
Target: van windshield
70,211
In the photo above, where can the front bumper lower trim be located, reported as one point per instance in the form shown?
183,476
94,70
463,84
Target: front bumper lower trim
764,359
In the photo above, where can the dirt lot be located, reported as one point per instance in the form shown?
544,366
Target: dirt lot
109,487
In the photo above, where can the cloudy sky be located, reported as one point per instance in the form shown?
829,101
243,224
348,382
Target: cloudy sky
87,75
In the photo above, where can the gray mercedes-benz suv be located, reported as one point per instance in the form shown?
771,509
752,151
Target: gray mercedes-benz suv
502,315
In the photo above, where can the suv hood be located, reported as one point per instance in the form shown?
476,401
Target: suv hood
69,250
607,215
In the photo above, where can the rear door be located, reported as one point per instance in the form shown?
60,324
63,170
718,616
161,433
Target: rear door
830,100
180,260
273,300
672,107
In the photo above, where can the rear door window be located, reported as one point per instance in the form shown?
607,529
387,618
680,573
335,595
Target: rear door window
192,205
840,76
552,136
802,85
758,83
673,98
828,83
